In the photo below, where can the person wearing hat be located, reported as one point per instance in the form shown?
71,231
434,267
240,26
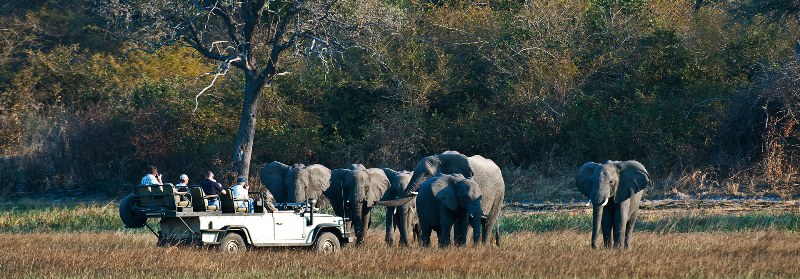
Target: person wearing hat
184,180
240,192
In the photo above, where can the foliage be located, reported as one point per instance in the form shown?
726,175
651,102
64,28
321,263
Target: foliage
536,85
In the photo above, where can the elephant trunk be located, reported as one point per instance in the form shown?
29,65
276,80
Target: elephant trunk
477,226
403,224
358,222
416,180
597,216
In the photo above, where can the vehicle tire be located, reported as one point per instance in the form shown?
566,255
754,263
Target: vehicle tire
127,215
232,243
327,243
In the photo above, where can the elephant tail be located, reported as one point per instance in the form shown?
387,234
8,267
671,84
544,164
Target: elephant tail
497,233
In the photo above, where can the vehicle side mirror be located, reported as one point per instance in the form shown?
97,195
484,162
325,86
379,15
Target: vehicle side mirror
312,202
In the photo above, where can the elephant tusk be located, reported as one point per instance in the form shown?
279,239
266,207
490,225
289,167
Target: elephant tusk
605,202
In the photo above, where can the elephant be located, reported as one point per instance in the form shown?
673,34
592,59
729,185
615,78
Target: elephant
363,188
615,189
403,217
450,203
485,173
336,193
296,183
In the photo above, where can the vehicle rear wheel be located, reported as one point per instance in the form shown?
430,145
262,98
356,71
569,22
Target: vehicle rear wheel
327,243
127,215
232,243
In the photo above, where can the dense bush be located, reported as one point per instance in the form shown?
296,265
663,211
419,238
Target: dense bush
540,85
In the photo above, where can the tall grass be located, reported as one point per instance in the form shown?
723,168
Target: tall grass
563,254
104,217
68,218
677,223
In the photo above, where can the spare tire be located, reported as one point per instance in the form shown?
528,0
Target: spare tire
128,216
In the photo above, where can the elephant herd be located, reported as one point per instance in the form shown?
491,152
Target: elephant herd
448,193
452,194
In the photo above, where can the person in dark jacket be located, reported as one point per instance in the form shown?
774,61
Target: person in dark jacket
211,187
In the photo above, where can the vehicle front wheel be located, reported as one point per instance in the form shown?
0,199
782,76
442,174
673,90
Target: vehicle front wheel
327,243
232,243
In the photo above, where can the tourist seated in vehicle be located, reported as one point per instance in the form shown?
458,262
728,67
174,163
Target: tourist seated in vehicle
240,194
183,183
152,177
211,187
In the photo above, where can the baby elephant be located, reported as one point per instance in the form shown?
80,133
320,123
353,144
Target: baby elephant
615,190
449,203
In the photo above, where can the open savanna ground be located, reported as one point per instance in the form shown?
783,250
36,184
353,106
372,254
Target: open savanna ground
523,255
88,241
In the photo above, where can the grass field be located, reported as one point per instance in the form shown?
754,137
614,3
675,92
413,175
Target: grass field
87,241
523,255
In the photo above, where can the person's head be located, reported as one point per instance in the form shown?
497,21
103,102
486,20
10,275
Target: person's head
184,178
210,175
152,170
240,180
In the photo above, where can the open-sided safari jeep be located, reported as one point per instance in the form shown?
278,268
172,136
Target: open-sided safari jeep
187,218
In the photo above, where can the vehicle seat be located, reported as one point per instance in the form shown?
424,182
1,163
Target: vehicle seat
200,200
175,201
143,195
229,203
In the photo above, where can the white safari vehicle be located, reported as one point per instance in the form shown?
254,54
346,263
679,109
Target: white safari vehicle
187,219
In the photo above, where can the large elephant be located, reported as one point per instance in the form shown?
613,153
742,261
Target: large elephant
483,171
295,183
402,217
450,203
363,188
337,193
615,189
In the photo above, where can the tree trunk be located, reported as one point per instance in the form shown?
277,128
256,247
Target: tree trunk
247,126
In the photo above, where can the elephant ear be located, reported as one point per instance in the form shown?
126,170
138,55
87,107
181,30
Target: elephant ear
583,181
394,183
335,193
468,190
272,176
633,177
319,179
444,189
454,162
376,186
403,178
426,168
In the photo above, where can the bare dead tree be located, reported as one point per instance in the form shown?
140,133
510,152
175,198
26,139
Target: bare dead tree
250,35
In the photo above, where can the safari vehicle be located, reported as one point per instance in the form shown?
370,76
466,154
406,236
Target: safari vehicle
187,219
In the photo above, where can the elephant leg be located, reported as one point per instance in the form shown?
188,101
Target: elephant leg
485,230
620,222
445,229
460,230
425,235
390,225
607,225
417,231
629,230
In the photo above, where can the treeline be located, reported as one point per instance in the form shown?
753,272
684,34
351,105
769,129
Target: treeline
704,93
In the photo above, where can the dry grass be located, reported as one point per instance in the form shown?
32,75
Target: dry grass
523,255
